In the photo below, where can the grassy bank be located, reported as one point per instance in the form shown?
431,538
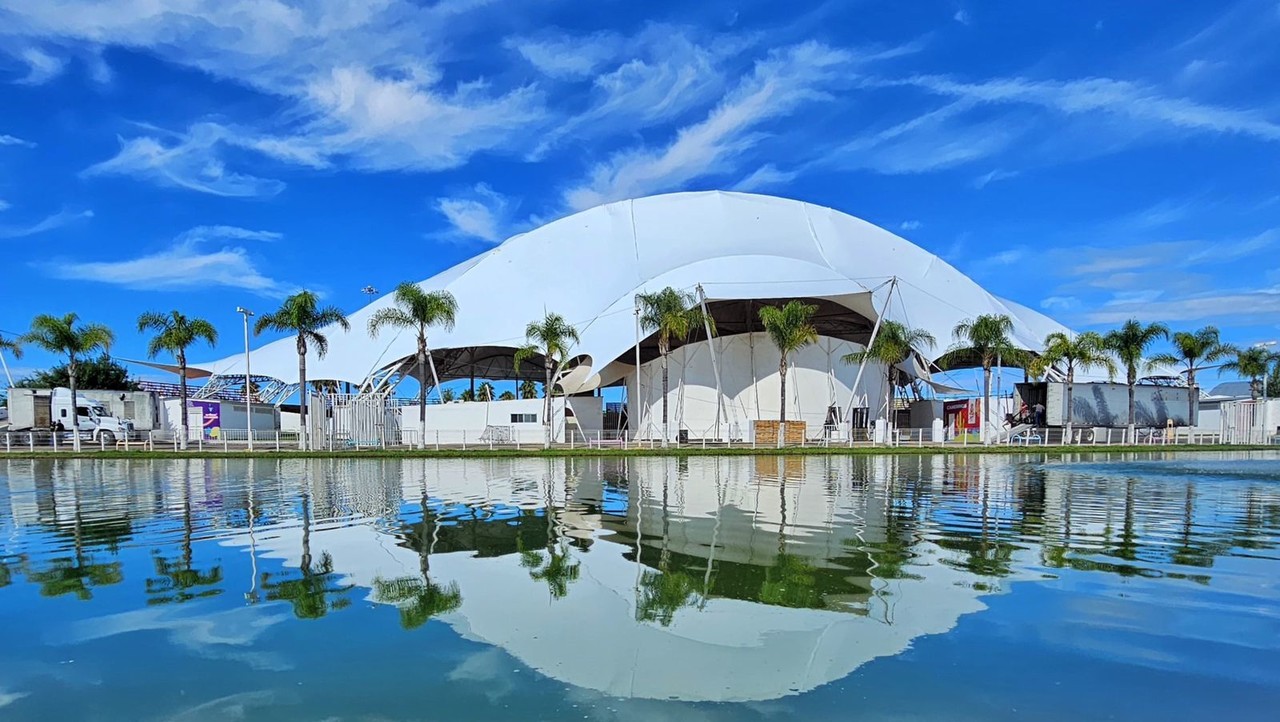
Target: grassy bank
607,453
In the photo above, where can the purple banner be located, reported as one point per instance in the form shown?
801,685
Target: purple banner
210,417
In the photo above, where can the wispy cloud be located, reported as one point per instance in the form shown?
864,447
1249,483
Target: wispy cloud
777,87
482,214
49,223
1106,95
12,140
186,263
994,176
192,162
1239,306
962,17
935,140
563,56
41,66
910,225
4,205
765,177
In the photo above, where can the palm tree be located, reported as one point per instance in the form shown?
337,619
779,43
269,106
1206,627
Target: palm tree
418,310
507,396
987,337
893,344
302,315
674,315
66,336
1194,351
528,389
1128,343
1083,352
791,329
551,338
13,347
81,572
447,396
1251,363
485,391
175,333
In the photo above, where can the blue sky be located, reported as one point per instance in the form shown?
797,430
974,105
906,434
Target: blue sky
1095,160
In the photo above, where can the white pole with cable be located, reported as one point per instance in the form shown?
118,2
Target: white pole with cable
715,365
248,383
875,329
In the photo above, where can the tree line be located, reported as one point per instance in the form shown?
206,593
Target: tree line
673,315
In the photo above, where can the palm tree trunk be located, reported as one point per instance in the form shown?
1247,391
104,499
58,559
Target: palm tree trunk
546,396
182,398
782,407
888,399
986,400
1133,382
666,429
422,391
1192,396
1071,383
302,393
75,405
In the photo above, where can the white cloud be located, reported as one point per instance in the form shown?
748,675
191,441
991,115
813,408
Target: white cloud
765,177
185,264
192,162
1240,306
4,205
12,140
49,223
929,142
962,17
1119,98
564,56
639,81
1060,303
361,82
42,67
910,225
481,215
994,176
778,86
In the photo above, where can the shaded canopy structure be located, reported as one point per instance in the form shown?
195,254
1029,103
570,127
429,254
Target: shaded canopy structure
738,251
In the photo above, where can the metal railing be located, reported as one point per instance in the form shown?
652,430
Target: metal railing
519,438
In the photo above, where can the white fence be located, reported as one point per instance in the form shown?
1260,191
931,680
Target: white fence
519,438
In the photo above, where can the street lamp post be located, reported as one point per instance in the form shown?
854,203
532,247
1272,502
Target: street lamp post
248,395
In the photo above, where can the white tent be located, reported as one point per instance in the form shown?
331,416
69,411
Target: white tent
589,266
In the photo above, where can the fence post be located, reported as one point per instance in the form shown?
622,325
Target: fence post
277,440
8,443
464,439
437,438
224,441
31,439
55,441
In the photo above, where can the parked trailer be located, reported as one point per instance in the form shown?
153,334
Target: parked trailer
40,410
1106,405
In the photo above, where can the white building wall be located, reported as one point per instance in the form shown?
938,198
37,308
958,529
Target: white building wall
449,422
749,379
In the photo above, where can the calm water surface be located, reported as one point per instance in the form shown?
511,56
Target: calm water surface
883,588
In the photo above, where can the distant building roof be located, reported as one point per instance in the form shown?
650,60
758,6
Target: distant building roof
1231,390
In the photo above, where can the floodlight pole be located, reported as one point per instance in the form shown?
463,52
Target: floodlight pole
248,378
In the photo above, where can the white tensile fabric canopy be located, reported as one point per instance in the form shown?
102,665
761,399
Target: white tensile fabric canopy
589,266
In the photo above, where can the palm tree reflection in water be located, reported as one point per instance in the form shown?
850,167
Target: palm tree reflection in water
420,600
309,594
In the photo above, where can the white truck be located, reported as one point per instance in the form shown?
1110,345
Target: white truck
42,410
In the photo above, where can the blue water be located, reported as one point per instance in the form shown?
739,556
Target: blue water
882,588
